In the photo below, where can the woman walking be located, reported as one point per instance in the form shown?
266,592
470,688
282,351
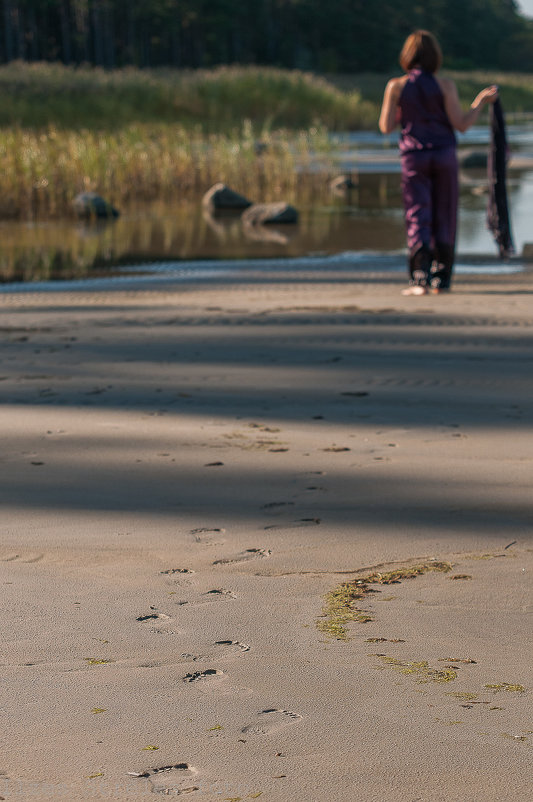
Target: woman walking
427,109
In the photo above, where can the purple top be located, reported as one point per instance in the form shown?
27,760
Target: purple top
425,124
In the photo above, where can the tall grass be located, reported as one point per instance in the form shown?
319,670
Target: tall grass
43,171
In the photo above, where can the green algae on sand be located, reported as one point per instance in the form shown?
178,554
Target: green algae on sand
421,670
506,686
340,603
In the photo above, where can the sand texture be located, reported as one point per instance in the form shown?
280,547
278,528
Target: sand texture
189,469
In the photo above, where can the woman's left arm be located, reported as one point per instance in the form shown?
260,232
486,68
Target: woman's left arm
462,120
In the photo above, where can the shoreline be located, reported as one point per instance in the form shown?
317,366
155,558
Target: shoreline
359,265
190,468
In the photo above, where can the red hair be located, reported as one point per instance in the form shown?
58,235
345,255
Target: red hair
421,49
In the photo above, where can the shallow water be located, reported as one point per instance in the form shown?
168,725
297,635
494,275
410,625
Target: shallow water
368,218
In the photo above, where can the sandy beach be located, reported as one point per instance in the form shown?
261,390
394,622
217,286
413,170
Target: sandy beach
188,469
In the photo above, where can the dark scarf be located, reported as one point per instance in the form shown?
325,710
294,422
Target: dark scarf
498,220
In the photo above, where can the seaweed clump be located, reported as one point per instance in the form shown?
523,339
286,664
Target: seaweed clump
421,670
341,603
506,686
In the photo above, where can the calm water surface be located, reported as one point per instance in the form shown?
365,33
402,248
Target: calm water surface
368,218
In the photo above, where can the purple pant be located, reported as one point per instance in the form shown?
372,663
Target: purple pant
430,189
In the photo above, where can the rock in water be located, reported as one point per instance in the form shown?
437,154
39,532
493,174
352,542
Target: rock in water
261,214
221,197
342,182
474,159
89,204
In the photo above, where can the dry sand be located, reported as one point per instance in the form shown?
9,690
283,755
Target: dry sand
187,469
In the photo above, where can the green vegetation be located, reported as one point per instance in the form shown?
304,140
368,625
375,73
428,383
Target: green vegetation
37,96
136,135
40,96
307,34
421,669
506,686
340,603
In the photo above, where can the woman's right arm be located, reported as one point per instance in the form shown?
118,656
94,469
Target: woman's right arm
462,120
388,119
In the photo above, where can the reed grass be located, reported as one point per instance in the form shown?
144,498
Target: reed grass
43,171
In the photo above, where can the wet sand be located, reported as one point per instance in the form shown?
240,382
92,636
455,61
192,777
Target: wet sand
188,469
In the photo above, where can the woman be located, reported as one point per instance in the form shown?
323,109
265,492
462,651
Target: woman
427,109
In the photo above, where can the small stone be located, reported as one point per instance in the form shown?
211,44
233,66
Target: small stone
221,197
261,214
89,205
341,183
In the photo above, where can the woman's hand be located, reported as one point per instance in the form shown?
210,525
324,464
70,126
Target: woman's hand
488,95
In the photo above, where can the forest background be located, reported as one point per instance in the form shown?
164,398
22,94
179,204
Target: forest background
325,36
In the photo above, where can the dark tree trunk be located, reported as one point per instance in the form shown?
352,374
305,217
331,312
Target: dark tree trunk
98,38
8,33
109,36
33,35
66,39
18,20
131,54
83,33
175,45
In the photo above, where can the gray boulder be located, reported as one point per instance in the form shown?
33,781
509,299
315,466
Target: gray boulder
474,159
261,214
220,197
89,204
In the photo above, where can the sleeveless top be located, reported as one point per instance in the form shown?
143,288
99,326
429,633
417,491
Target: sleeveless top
424,122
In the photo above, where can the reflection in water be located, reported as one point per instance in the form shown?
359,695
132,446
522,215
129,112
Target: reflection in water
367,217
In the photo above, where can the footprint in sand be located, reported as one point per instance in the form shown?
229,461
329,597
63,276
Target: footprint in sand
153,615
227,647
178,577
29,558
270,720
209,675
162,627
295,524
223,648
208,537
244,556
172,571
176,779
213,682
217,594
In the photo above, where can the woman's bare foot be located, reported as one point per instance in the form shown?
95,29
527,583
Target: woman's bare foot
416,289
